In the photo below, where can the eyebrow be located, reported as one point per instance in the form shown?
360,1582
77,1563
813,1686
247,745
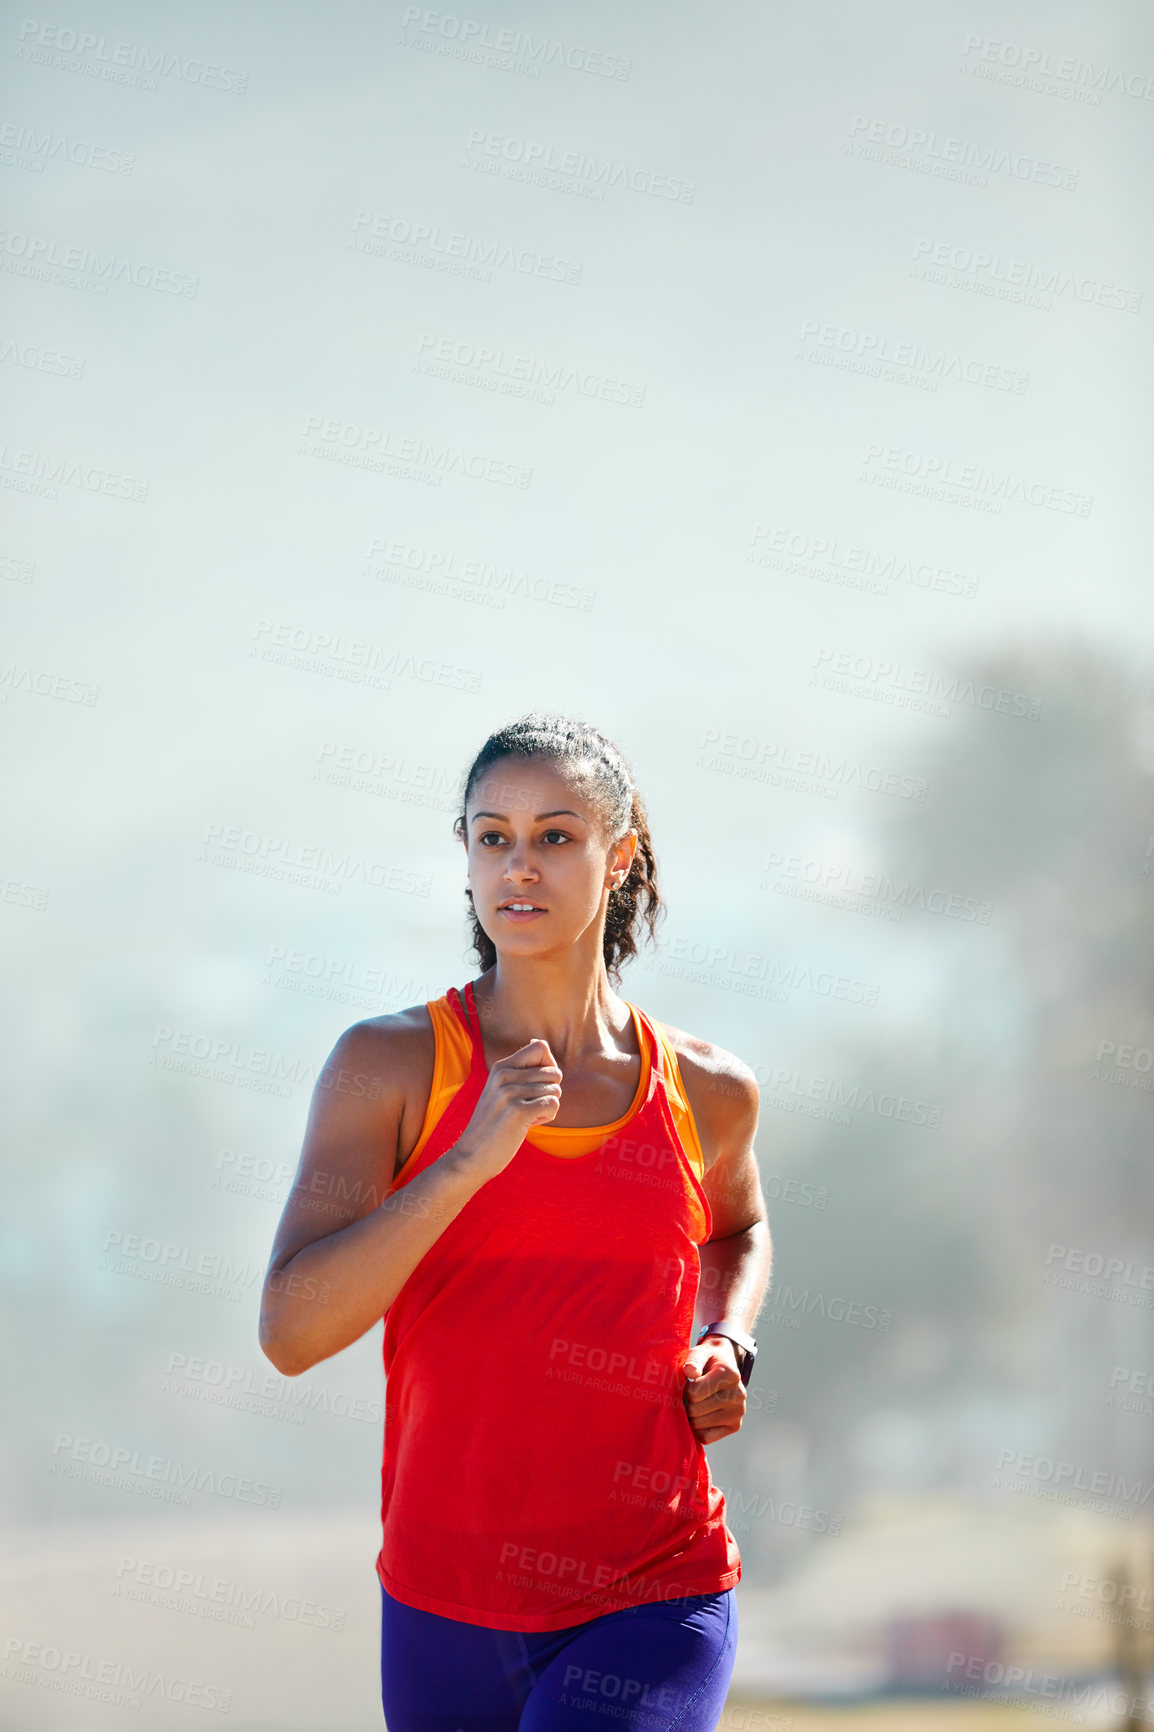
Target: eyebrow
561,812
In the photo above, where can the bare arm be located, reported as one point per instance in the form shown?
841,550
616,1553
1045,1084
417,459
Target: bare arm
345,1246
736,1260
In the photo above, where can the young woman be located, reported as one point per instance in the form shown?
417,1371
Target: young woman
518,1178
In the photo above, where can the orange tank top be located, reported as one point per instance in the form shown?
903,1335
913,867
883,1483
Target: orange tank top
539,1466
453,1057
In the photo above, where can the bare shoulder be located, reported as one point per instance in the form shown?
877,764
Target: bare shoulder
384,1062
385,1046
722,1089
364,1118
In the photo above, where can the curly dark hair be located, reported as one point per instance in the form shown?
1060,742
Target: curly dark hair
580,749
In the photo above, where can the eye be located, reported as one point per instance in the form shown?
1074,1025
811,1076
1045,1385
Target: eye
488,836
556,835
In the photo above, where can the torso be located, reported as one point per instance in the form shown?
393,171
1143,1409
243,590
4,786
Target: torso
591,1263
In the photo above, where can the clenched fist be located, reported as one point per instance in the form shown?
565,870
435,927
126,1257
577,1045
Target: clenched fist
522,1090
714,1393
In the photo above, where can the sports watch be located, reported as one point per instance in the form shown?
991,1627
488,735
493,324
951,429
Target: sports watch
745,1344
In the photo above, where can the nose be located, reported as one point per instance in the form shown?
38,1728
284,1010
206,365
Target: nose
519,869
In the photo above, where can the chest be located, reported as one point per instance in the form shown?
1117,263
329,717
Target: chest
626,1194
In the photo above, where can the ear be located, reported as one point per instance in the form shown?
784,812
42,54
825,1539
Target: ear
621,859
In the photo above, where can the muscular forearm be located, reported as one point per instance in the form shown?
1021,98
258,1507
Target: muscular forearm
734,1277
326,1296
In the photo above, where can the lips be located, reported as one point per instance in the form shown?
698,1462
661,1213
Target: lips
518,909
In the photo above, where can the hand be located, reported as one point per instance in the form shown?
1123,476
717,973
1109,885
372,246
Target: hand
522,1090
714,1393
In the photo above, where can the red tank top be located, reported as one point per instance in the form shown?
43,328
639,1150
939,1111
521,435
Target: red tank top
539,1465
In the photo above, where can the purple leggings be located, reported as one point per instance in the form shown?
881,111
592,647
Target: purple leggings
661,1667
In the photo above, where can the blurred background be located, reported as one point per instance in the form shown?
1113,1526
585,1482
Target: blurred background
768,387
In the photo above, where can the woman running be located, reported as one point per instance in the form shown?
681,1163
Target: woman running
518,1178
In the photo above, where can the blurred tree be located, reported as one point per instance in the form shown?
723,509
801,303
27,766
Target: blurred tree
1042,1141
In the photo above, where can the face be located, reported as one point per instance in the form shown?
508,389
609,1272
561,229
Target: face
540,865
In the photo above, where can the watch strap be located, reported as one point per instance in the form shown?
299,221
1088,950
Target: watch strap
745,1342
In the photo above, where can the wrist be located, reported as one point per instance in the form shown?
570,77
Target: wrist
469,1163
743,1345
461,1158
723,1345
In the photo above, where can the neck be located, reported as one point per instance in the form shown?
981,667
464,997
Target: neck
566,1000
